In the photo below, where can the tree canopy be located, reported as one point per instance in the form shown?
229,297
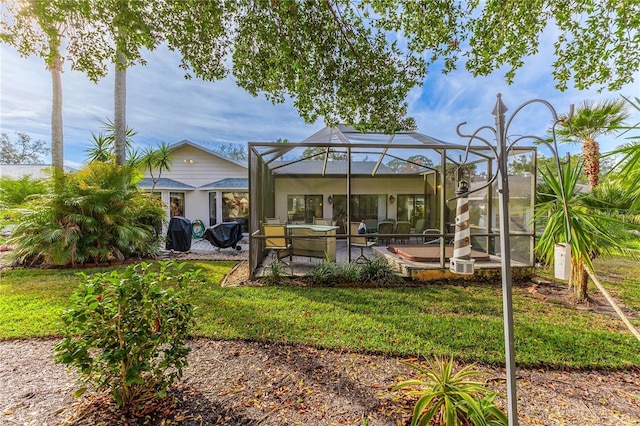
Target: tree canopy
596,42
23,150
345,61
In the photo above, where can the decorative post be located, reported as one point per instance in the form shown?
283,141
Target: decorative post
461,262
505,256
501,153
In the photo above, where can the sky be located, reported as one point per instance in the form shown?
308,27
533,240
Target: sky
163,106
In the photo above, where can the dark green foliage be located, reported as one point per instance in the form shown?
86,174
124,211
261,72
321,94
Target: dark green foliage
377,272
330,274
126,331
95,215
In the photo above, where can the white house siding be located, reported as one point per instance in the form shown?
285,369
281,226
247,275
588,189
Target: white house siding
196,167
285,186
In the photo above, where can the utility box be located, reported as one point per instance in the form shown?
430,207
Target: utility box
562,261
461,266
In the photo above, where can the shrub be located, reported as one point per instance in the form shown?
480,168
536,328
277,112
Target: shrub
126,331
378,272
13,192
450,398
276,273
326,273
95,215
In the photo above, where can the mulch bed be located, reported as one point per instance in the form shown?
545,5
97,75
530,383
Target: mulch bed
257,383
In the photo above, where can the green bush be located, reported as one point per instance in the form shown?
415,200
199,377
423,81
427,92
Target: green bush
126,331
95,215
277,273
377,272
450,398
14,192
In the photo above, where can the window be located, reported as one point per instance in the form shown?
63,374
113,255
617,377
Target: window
303,208
411,207
176,203
235,207
365,207
362,207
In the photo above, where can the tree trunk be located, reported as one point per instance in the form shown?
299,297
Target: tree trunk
579,279
120,114
57,145
591,157
581,288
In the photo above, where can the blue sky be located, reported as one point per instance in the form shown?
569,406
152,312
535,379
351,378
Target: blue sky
163,106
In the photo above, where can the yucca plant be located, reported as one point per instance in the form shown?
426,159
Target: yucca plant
593,230
450,398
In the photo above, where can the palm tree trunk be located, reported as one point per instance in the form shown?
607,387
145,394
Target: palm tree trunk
591,156
120,114
581,289
579,279
57,145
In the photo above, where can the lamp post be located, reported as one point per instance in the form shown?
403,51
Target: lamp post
501,153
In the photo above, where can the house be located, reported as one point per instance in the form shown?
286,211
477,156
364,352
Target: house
203,185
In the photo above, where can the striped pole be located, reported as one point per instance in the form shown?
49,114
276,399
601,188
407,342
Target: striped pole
461,262
461,242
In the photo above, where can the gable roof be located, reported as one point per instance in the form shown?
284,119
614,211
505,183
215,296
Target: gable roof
186,142
240,183
165,183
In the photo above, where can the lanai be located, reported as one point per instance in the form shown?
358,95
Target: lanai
406,176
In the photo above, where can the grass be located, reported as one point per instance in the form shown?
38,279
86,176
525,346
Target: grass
463,321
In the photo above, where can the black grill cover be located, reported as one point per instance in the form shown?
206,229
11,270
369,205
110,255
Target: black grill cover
179,234
225,234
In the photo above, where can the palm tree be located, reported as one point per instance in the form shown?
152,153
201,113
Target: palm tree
156,159
629,159
591,120
591,229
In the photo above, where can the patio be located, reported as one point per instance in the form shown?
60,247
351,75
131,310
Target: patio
429,269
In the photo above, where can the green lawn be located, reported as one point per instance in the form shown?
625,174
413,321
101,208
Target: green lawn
463,321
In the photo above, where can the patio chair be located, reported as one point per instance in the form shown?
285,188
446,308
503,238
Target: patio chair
360,242
280,246
372,225
385,228
321,221
402,227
